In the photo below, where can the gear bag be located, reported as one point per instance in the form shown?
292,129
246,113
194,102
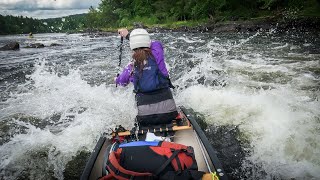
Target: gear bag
152,160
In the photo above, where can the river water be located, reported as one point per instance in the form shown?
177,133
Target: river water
257,92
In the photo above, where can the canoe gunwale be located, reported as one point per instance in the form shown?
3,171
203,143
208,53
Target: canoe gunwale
211,152
93,157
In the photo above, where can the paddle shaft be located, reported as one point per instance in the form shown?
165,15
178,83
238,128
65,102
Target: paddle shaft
120,56
174,128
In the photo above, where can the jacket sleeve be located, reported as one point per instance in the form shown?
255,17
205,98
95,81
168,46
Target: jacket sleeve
157,52
125,77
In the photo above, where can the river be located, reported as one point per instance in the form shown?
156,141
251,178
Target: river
257,92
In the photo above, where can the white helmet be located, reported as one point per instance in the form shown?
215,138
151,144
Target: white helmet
139,38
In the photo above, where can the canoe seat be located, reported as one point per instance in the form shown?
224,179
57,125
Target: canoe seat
175,125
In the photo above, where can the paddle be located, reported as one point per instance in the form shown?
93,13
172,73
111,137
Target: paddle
120,57
175,127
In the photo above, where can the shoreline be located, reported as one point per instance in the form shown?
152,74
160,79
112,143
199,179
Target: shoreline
253,25
304,24
281,24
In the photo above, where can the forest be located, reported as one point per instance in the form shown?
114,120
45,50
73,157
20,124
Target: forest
24,25
124,13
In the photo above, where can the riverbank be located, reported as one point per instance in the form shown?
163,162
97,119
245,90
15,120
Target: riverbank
281,24
254,25
264,24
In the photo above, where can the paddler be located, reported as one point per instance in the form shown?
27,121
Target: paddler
30,35
150,78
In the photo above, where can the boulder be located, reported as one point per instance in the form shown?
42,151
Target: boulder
55,44
35,45
226,27
139,25
11,46
91,30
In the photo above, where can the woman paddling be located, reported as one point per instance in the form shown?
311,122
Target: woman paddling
150,77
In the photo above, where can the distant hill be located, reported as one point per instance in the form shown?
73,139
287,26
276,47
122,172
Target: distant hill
24,25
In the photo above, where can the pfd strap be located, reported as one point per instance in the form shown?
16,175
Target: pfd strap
174,154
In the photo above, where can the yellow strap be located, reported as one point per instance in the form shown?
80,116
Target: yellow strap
210,176
214,176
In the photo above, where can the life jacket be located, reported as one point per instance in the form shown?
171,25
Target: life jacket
152,160
154,99
150,79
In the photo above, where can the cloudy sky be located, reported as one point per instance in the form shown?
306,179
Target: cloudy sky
45,8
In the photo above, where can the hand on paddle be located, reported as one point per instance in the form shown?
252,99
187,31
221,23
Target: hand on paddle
123,32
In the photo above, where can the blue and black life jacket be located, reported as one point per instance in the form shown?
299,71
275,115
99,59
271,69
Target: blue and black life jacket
150,79
152,87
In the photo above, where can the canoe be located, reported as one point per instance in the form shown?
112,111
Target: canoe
186,132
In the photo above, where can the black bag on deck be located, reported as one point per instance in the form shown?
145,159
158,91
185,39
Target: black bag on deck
153,160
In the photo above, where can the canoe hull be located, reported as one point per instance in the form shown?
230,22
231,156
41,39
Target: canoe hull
194,136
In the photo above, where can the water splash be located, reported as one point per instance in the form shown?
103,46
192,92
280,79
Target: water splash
270,93
280,122
93,110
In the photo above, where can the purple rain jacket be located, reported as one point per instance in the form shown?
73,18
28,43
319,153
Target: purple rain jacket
157,50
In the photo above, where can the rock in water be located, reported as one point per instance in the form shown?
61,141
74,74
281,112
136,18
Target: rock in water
35,45
11,46
55,44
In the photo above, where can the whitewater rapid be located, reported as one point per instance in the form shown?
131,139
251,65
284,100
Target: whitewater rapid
57,101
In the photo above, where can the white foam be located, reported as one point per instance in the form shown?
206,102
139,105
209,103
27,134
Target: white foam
105,106
281,123
282,128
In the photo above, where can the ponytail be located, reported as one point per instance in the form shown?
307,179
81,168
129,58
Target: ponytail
140,55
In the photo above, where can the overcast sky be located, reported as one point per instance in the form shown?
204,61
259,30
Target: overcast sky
45,8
